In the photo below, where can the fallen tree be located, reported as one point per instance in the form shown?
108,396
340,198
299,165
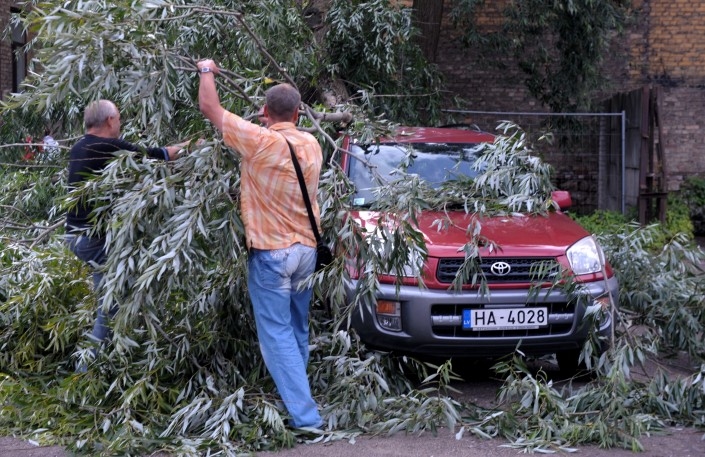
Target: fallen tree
183,372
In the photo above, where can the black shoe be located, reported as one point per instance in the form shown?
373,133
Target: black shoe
309,434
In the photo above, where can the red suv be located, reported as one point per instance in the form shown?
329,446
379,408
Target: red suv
444,321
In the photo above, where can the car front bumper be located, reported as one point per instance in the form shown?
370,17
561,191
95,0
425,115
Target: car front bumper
429,322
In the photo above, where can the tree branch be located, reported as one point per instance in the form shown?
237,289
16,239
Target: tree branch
46,232
312,115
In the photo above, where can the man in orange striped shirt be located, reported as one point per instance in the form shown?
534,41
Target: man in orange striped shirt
282,246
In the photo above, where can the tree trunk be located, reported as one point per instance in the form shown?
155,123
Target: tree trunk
331,91
427,18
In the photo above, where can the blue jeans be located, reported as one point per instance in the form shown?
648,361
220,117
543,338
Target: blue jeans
92,251
281,315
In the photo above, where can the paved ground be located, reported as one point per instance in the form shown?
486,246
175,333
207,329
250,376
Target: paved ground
674,443
481,390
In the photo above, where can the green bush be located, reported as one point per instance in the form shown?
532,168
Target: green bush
678,218
678,221
602,222
692,194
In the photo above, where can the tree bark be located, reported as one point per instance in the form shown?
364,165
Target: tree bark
331,91
428,15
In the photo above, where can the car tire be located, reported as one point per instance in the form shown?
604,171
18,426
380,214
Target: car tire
568,363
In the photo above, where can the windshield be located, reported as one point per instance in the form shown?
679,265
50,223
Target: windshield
435,163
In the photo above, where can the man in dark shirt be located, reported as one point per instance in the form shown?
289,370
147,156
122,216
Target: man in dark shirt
88,157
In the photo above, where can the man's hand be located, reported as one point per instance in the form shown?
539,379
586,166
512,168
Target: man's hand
209,64
175,150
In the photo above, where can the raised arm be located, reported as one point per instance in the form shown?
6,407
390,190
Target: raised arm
208,100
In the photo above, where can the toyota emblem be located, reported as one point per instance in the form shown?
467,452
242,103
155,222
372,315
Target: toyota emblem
500,268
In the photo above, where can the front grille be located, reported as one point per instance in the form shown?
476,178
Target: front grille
447,322
517,269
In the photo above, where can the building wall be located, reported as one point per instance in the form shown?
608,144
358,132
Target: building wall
5,48
673,49
670,53
683,128
664,44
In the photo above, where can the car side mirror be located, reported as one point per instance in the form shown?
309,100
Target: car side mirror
562,199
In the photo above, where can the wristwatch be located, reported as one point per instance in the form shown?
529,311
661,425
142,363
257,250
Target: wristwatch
205,70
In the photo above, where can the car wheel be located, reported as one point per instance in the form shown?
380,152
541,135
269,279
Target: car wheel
568,362
473,369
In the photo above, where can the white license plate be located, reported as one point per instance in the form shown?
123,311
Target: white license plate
505,319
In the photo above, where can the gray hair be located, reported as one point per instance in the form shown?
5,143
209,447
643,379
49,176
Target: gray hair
98,112
283,101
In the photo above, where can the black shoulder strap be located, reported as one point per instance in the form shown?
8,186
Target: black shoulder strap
302,184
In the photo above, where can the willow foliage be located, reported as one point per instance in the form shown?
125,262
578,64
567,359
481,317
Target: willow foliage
559,46
183,372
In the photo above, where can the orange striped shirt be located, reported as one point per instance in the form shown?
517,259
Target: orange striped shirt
272,207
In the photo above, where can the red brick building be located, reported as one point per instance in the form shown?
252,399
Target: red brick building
663,46
12,70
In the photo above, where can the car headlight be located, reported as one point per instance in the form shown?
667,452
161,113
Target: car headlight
585,256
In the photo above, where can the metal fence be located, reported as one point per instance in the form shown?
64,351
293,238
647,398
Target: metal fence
587,151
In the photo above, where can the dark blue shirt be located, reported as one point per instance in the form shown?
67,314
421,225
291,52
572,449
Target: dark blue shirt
88,157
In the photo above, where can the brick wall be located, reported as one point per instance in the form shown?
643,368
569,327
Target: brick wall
675,44
475,77
466,71
664,44
684,128
670,51
5,49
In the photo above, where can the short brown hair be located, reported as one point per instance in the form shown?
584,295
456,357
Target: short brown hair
283,101
98,112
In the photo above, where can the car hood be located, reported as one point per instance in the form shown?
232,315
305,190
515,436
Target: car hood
546,235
